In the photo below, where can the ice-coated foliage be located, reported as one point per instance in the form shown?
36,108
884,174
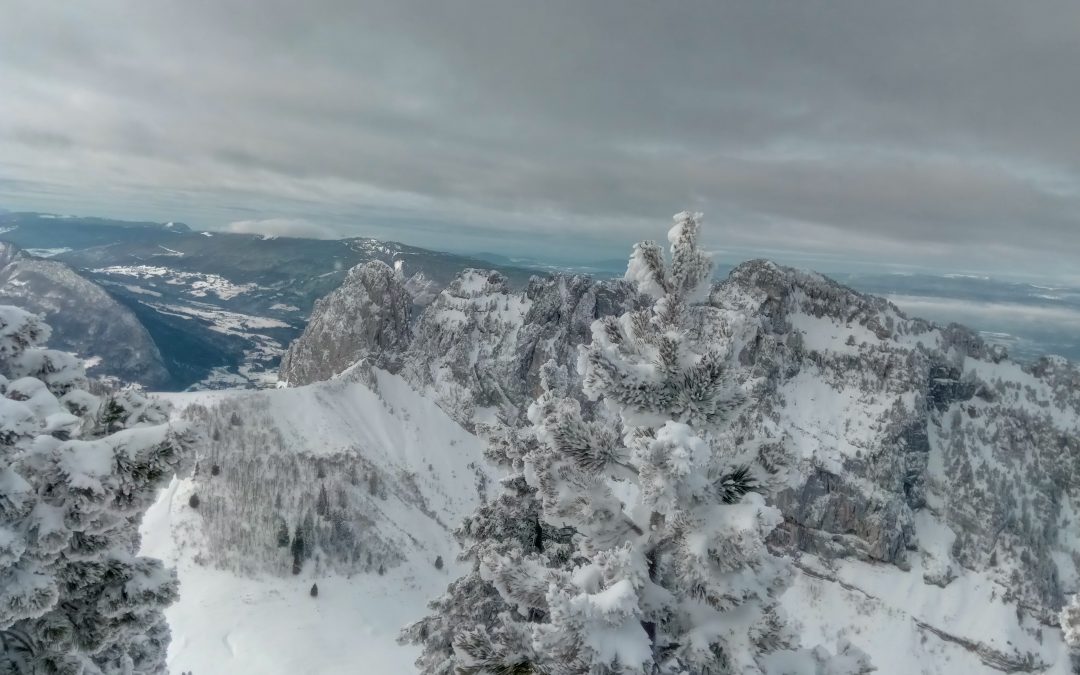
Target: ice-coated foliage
1070,622
479,346
664,568
77,471
1070,625
472,617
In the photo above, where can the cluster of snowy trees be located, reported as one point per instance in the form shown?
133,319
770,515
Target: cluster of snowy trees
629,536
1070,624
266,508
77,471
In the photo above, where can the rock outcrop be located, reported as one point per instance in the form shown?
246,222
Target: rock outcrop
479,346
85,319
887,439
366,317
876,420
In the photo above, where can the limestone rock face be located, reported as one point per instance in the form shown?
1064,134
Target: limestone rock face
479,346
878,425
886,439
367,317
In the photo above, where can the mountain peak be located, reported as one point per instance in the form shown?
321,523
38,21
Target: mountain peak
8,252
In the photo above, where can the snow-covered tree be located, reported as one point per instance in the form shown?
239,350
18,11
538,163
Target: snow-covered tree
1070,624
471,611
666,569
77,471
675,574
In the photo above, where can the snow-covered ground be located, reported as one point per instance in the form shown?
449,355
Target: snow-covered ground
262,624
936,618
911,626
228,624
198,284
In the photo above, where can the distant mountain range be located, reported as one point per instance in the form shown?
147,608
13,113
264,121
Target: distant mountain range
222,308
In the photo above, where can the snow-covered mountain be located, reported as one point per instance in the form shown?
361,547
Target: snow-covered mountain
397,475
84,318
373,307
222,307
477,348
930,486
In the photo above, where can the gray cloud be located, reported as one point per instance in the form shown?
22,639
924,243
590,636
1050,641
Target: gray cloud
283,227
988,313
938,133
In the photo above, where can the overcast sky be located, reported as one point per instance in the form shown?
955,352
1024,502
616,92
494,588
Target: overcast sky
936,134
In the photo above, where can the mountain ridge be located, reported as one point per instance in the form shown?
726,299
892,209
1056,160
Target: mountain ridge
85,319
901,452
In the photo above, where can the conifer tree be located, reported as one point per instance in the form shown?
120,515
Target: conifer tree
112,415
282,533
77,472
472,610
299,549
1070,625
667,571
322,503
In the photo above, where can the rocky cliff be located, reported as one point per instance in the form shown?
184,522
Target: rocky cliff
925,478
875,422
85,319
476,347
366,317
479,346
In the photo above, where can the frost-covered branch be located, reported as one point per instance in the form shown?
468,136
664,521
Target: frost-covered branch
77,471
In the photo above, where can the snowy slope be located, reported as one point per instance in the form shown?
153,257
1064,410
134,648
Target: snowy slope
240,613
929,485
269,625
909,626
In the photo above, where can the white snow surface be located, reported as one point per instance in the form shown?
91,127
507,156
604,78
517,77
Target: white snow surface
267,625
198,284
935,618
909,626
224,623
